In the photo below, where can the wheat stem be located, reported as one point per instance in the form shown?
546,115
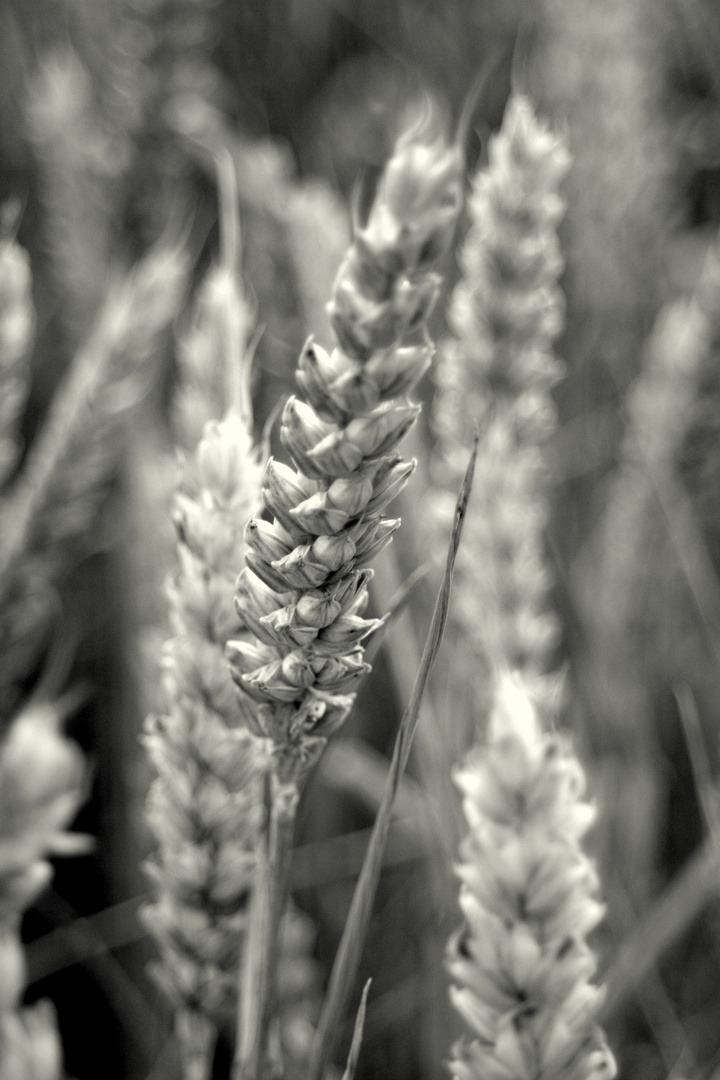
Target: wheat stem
260,977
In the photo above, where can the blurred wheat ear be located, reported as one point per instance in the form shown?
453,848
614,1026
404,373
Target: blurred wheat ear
43,781
17,318
611,577
528,890
78,162
498,368
205,805
53,502
646,572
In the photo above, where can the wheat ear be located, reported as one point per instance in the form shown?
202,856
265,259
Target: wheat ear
205,807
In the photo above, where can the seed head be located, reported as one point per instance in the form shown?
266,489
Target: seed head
304,590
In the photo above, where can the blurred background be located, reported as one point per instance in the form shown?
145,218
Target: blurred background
110,111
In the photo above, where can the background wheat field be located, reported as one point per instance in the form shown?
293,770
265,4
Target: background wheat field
117,119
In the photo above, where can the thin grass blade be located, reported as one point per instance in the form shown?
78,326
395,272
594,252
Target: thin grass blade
351,944
699,762
697,884
357,1035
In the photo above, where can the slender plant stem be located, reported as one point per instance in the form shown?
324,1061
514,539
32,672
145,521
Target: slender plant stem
663,925
259,990
252,975
694,740
357,1035
282,824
